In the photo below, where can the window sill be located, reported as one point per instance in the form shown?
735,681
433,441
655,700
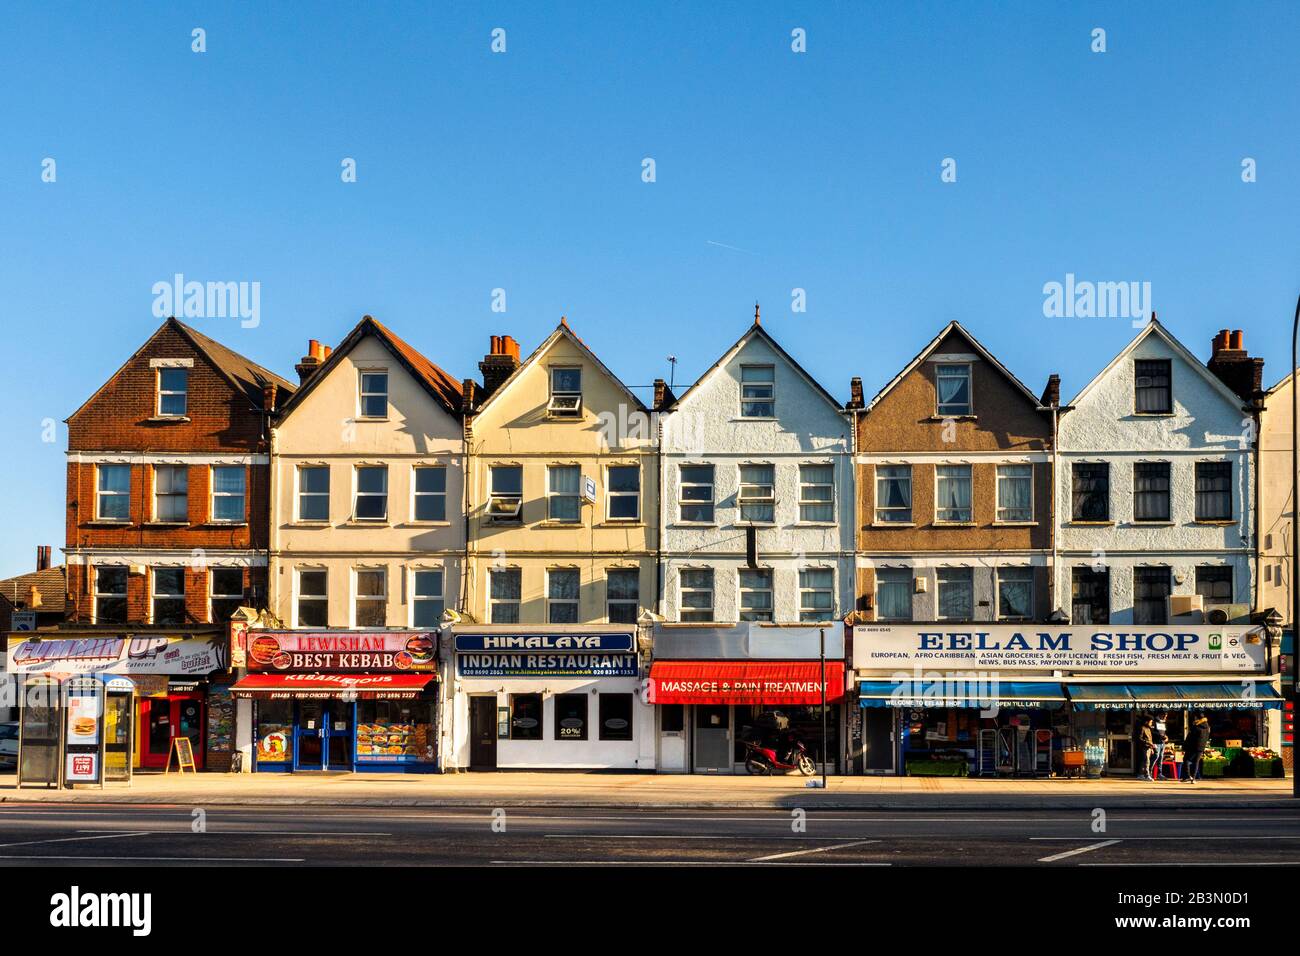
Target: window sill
754,524
223,524
955,524
559,524
1152,524
696,525
423,524
106,523
367,523
892,524
167,420
1216,522
307,524
1168,414
1015,524
966,417
815,524
361,419
1090,524
620,523
166,524
756,418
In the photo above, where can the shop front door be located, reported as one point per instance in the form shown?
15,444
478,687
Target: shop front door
322,736
483,733
712,750
878,739
163,718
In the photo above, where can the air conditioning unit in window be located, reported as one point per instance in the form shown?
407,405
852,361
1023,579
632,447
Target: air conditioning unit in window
1227,614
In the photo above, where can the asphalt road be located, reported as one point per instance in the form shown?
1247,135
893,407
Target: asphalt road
118,835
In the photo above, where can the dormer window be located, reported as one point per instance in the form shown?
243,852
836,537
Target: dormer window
566,393
757,391
173,391
953,390
373,397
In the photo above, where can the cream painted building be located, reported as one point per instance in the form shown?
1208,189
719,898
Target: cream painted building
1276,505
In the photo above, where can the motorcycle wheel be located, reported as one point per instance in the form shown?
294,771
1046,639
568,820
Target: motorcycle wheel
756,767
806,765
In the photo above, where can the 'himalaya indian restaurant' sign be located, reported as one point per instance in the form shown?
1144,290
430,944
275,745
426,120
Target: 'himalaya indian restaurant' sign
118,654
340,651
1051,647
610,654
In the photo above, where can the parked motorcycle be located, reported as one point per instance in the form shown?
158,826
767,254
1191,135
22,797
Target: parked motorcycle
761,759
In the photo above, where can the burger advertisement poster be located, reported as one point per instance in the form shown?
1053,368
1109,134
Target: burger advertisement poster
343,651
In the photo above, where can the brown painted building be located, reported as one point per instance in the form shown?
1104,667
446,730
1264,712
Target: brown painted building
954,476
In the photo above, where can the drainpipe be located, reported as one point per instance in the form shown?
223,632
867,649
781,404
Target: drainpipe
1054,589
662,515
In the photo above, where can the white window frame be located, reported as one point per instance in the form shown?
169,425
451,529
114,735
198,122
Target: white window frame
683,590
576,495
575,602
938,593
124,596
567,403
683,502
878,510
938,509
155,595
817,503
362,394
997,591
754,399
214,596
358,494
505,506
299,595
417,599
830,589
770,576
742,499
214,495
299,494
184,496
517,603
416,494
910,574
610,602
100,494
611,494
358,597
970,389
997,504
184,392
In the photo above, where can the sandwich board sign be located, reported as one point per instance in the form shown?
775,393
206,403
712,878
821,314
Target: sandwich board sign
183,751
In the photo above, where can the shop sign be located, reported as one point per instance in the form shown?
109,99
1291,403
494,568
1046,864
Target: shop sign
82,736
753,682
319,651
118,654
1015,647
546,665
624,641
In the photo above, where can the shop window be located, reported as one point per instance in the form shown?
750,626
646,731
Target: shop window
697,494
571,716
1151,491
1151,595
507,499
816,594
953,390
956,594
894,594
624,493
672,718
1015,594
428,598
1091,491
430,493
817,493
171,494
697,594
623,595
505,588
566,393
1214,491
1015,492
758,391
757,498
313,598
113,493
225,593
228,493
313,493
562,501
168,596
893,494
562,586
525,716
372,493
1152,394
173,390
274,732
952,493
615,716
1090,596
755,595
1214,584
110,594
395,731
372,398
372,598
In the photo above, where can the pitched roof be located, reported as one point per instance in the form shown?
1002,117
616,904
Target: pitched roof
50,583
444,389
954,326
1154,327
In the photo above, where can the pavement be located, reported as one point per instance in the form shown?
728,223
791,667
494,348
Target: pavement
661,791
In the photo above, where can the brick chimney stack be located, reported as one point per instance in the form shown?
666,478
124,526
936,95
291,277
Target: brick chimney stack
499,364
663,395
856,400
310,362
1052,392
43,552
1232,365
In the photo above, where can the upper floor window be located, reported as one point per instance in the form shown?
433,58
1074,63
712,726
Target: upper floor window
168,596
624,492
1214,491
697,494
372,400
1090,596
225,593
622,595
1151,491
428,597
893,494
696,594
371,598
952,501
953,390
430,493
562,585
313,598
755,595
503,601
228,493
507,493
173,390
1151,391
313,493
1214,583
816,493
758,391
1091,492
816,594
757,498
566,393
372,493
171,493
562,500
1015,594
893,594
110,594
956,594
1015,492
1151,589
113,493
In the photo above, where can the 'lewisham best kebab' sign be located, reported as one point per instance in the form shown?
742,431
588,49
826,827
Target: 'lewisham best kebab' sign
1115,647
317,651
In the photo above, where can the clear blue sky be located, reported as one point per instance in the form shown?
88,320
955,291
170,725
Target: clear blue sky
522,171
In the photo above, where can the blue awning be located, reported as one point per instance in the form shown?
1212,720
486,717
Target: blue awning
1244,695
1005,695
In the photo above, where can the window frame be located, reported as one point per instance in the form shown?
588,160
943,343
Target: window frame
1153,573
552,496
155,595
528,733
743,501
101,494
300,596
417,599
363,394
969,575
171,495
1149,470
101,595
805,485
379,600
683,610
804,610
299,494
1220,571
683,502
1226,492
417,494
565,403
576,697
1025,570
183,392
970,494
968,372
358,494
515,573
1103,468
610,602
214,597
1139,390
1099,579
495,498
908,582
575,602
624,700
760,615
878,510
214,494
611,494
999,477
749,399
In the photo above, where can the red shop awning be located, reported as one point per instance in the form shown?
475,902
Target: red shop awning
365,686
744,682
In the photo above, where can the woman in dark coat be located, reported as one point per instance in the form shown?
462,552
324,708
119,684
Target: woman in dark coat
1194,747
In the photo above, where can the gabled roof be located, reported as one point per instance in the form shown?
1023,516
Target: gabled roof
561,331
444,389
985,354
756,331
1154,327
51,583
1285,380
243,374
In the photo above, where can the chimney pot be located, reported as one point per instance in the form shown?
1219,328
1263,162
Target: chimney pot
1238,338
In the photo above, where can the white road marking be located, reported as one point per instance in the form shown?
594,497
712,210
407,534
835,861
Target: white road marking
1083,849
1227,836
116,834
1202,863
676,836
815,849
659,863
261,832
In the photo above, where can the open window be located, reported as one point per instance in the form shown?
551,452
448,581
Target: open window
507,500
566,393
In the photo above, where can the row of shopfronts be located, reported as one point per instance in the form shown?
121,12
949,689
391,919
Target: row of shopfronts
672,698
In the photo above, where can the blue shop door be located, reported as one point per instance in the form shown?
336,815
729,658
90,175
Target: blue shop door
323,735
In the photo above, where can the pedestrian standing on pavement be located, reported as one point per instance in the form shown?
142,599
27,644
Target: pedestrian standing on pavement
1160,736
1147,745
1194,747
